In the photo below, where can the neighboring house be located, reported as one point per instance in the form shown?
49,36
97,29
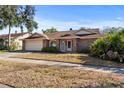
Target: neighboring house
15,37
66,41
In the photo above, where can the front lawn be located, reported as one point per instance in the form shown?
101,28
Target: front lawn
72,58
1,52
32,75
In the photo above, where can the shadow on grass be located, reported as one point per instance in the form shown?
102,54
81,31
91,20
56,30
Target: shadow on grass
86,60
114,67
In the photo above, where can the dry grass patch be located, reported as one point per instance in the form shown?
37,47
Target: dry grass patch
74,58
32,75
71,58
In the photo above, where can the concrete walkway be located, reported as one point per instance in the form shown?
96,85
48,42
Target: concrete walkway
8,57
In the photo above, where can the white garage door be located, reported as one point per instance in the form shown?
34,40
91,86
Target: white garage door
33,45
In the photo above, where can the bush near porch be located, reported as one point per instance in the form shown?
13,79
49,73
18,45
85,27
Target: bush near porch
3,47
13,46
50,49
110,47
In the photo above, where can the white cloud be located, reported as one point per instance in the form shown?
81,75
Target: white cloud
119,19
65,25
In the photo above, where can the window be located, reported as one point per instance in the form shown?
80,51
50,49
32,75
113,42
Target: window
53,43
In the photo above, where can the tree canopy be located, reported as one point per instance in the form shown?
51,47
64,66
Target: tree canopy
51,30
26,18
17,16
112,29
110,46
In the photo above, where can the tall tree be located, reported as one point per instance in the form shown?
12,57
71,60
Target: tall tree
17,16
8,18
51,30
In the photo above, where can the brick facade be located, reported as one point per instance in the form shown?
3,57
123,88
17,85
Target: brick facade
45,43
83,45
69,41
23,43
78,45
74,45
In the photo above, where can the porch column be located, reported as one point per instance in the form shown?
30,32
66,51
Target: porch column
58,44
23,45
45,43
74,45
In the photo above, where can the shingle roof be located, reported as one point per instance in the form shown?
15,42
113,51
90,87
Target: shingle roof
13,35
93,33
37,35
86,33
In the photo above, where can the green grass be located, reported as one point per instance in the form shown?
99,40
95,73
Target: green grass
1,52
32,75
71,58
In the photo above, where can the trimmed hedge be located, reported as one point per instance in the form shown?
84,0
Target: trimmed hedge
50,49
3,47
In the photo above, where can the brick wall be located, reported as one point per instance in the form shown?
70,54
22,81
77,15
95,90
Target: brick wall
74,45
23,45
58,44
78,45
84,44
45,43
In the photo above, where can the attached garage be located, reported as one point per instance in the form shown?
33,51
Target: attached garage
33,44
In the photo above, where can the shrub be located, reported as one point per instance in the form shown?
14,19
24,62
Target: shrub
3,47
110,43
84,51
13,46
99,47
50,49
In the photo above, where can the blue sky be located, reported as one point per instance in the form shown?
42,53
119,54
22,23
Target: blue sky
75,16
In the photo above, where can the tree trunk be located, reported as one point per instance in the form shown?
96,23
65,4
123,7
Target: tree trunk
9,37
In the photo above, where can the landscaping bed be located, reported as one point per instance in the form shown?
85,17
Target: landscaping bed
83,59
32,75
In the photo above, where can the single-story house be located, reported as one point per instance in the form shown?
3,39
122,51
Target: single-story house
15,37
66,41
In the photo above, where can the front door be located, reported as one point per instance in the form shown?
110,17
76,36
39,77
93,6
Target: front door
62,46
69,45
